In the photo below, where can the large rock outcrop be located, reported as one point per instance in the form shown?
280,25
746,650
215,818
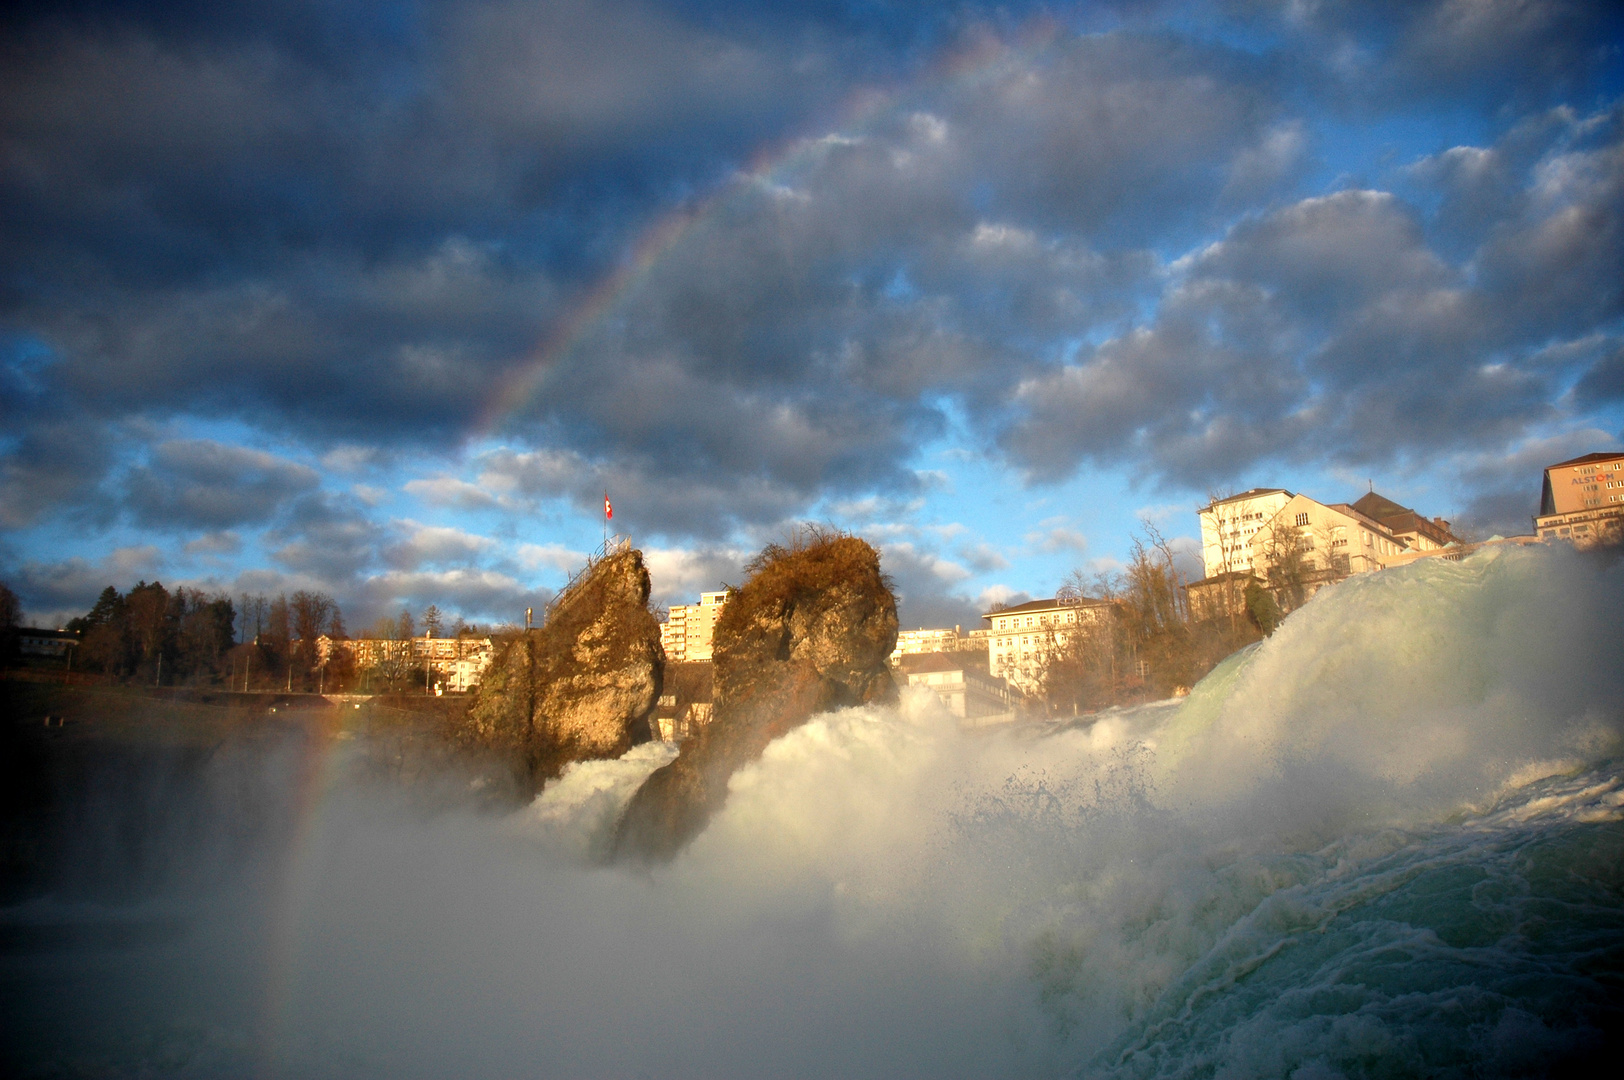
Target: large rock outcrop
581,686
808,632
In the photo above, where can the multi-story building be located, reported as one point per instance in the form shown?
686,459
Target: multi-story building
457,663
33,641
1228,526
1416,532
1331,541
916,642
1583,501
674,636
1245,541
685,703
689,628
1022,637
970,694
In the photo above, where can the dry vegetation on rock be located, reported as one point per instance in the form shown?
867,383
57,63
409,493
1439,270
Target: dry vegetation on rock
809,631
581,686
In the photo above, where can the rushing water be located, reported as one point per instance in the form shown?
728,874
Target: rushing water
1387,842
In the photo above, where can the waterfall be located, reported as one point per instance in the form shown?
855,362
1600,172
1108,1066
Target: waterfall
1384,842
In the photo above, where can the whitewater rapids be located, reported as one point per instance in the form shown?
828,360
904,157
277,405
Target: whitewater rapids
1386,842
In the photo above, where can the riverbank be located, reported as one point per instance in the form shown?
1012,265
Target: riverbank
78,764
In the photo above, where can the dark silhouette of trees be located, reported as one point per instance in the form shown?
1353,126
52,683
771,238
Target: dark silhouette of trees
188,637
184,637
10,616
10,608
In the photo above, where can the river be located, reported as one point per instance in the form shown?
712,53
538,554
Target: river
1385,842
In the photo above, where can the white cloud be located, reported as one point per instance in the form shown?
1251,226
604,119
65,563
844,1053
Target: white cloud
1056,539
679,575
215,544
550,557
452,492
435,544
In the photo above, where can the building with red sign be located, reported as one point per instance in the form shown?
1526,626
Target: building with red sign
1583,501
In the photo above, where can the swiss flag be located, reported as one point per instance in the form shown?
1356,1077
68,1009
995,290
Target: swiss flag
608,511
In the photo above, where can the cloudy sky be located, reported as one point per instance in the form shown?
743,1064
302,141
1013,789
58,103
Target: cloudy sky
381,297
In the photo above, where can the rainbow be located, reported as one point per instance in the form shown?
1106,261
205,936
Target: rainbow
986,57
318,774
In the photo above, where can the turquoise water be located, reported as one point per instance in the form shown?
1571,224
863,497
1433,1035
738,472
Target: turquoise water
1386,842
1488,946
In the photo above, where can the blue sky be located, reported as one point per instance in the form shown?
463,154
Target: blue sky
380,298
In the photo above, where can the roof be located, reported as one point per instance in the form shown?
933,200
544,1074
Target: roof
1401,519
1379,506
1357,514
1252,494
1585,460
918,663
1052,604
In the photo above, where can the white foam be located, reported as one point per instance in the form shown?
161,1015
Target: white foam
885,895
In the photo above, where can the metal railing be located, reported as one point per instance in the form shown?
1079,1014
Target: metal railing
613,545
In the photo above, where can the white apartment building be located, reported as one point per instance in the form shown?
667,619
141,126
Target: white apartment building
688,629
1228,526
976,699
1335,539
914,642
1242,541
1021,637
457,663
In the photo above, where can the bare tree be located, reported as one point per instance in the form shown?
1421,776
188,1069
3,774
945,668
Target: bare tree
10,607
311,614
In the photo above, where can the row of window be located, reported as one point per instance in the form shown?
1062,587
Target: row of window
1014,621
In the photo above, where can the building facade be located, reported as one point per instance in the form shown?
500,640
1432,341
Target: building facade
456,664
1228,526
976,698
1332,541
1582,501
921,641
1303,544
1021,638
1418,533
33,641
689,628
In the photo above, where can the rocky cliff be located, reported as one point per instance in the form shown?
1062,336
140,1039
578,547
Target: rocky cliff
809,631
582,685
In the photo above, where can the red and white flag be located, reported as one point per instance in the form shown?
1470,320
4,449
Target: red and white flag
608,511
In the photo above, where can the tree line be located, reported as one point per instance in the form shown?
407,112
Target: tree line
187,637
1147,644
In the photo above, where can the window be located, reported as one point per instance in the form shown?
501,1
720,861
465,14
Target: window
1302,519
